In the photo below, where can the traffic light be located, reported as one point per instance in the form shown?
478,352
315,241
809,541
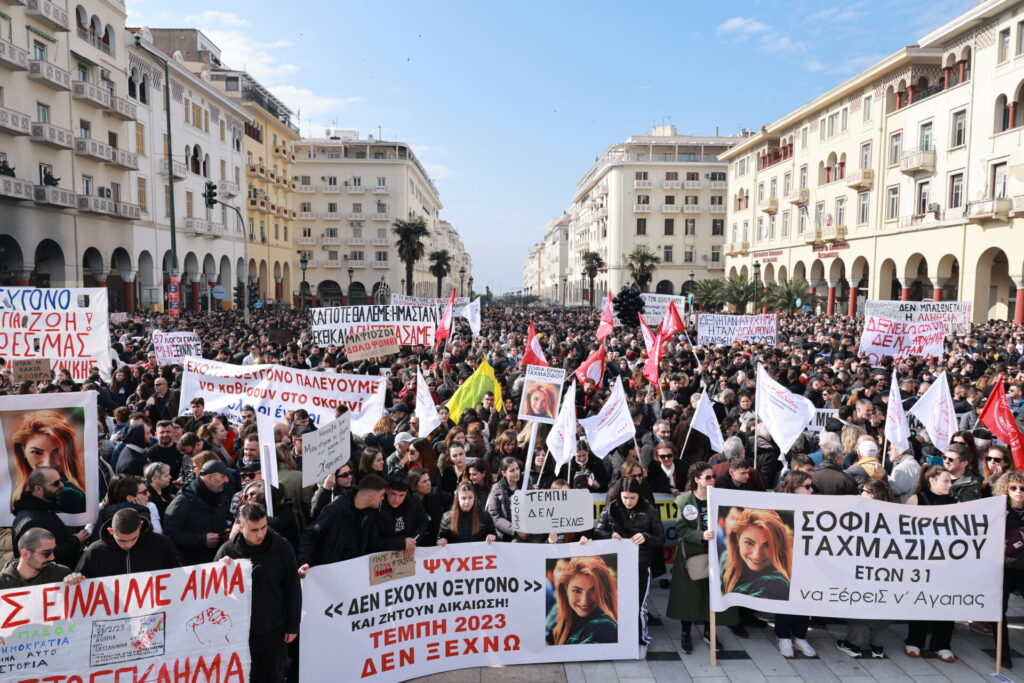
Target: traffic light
253,294
210,195
239,296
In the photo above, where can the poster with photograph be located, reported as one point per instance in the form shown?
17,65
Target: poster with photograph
541,391
51,430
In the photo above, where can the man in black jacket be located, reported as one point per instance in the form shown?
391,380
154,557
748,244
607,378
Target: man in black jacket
347,528
165,450
276,594
38,508
402,519
199,518
127,544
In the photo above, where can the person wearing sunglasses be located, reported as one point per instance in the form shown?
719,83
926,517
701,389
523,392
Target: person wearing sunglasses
667,473
1011,485
995,464
966,484
35,564
334,484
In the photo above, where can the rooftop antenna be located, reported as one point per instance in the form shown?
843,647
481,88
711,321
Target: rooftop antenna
379,136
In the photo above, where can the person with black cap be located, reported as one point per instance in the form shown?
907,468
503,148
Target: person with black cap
403,521
199,519
400,414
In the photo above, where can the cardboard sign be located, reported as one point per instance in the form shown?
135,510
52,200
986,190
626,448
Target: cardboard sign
119,318
957,315
326,449
901,340
547,510
172,348
541,392
412,324
31,370
279,335
655,306
726,330
389,566
375,343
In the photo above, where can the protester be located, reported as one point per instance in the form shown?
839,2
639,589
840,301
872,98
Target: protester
791,630
346,528
499,500
161,490
38,509
127,544
466,522
333,486
35,564
199,518
434,501
402,519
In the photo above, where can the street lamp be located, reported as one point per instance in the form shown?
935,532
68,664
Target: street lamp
565,288
403,285
303,264
462,279
470,286
757,282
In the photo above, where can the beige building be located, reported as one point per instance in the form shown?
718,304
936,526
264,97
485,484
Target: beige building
663,191
545,272
904,182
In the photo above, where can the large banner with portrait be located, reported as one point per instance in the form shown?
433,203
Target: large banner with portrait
854,557
541,392
469,605
51,430
188,624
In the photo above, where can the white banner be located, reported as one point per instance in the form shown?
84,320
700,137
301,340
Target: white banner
173,347
957,315
53,430
655,306
67,325
612,425
726,330
561,440
412,324
785,414
546,510
468,605
151,626
326,449
854,557
541,391
437,304
901,340
275,389
821,418
935,412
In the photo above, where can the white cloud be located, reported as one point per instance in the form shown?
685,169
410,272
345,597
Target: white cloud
814,65
214,18
778,43
741,27
769,40
438,171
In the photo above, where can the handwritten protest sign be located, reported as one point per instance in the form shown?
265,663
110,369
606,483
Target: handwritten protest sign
173,347
726,330
145,626
655,306
119,318
31,370
326,449
957,315
374,343
438,304
412,324
466,605
541,391
391,565
547,510
901,340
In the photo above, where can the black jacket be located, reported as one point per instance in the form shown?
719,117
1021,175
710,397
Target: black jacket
276,594
660,482
30,512
409,520
152,552
642,519
170,456
195,512
829,480
340,532
464,534
594,465
435,504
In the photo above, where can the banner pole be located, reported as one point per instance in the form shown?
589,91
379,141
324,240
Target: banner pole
999,647
529,456
712,625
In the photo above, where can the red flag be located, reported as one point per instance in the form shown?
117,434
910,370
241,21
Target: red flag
672,323
607,320
653,359
534,354
444,326
645,330
592,367
997,417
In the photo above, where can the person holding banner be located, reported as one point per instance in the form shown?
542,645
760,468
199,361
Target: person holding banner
466,522
434,502
499,501
1011,485
791,630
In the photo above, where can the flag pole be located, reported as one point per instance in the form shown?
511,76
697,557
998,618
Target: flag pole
756,418
529,455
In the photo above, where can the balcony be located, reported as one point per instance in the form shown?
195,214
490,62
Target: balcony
310,263
1018,206
382,189
90,203
798,196
861,179
671,184
355,216
692,185
641,208
692,208
330,189
382,264
380,216
124,159
355,189
988,210
716,265
13,57
643,184
353,263
14,122
179,169
217,230
306,240
49,74
813,236
671,208
602,212
52,136
122,109
332,216
718,208
257,205
196,226
332,263
357,241
305,188
331,241
91,93
129,212
282,151
227,188
257,170
15,188
918,161
743,247
719,185
55,196
769,205
380,242
272,176
93,149
834,233
307,215
49,14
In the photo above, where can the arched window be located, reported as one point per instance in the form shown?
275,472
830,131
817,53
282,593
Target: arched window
82,19
196,161
107,42
132,79
890,99
144,90
206,166
1002,115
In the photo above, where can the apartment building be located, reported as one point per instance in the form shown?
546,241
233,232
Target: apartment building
531,270
904,182
445,238
66,157
663,191
545,273
205,143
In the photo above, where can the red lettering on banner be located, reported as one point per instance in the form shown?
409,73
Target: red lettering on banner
9,598
461,564
213,581
406,657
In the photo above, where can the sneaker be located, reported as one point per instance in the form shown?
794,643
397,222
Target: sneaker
877,652
912,651
982,628
945,655
707,639
786,648
740,631
805,648
687,644
848,648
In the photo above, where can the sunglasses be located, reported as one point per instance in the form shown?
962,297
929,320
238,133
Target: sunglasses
995,459
248,475
1015,488
343,475
947,459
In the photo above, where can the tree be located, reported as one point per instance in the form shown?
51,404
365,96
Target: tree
783,296
440,267
592,264
642,262
737,290
707,293
410,248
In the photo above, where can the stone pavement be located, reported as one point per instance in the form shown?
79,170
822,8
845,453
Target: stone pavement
757,659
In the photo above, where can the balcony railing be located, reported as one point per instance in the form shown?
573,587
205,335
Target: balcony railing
834,233
798,195
332,241
356,241
91,93
16,188
692,208
332,263
196,226
692,185
382,264
122,109
49,14
179,169
380,217
330,189
641,208
93,149
306,240
382,189
216,231
1018,206
227,188
354,263
13,57
307,215
861,179
987,210
355,189
90,203
918,161
305,188
380,242
671,184
332,216
14,122
671,208
48,74
52,136
602,212
718,208
125,159
129,212
356,216
642,184
769,205
257,170
55,196
89,36
719,184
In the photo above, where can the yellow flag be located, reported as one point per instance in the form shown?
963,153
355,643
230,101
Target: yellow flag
473,390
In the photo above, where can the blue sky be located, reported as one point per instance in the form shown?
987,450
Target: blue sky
507,105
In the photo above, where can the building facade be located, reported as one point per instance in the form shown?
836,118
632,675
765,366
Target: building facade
904,182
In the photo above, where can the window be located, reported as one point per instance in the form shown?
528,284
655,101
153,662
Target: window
332,207
670,226
925,141
844,115
863,208
819,214
643,199
771,227
760,228
167,203
42,112
380,255
821,129
760,192
1004,45
188,204
785,224
382,182
84,129
38,51
718,227
640,175
999,181
140,139
803,176
382,207
833,124
895,148
277,231
142,194
716,254
733,232
787,184
866,107
671,175
840,211
892,203
959,129
690,226
773,190
667,255
670,200
865,155
87,185
81,73
332,181
717,200
222,130
923,191
956,190
692,200
308,232
305,207
801,222
803,137
641,226
1020,37
688,255
357,207
746,230
382,233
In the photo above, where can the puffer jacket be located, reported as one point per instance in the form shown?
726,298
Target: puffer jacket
642,519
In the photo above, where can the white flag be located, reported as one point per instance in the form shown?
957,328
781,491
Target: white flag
897,431
706,422
268,454
784,413
561,439
612,426
471,312
935,411
426,411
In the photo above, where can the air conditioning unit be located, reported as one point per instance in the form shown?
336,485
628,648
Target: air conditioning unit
106,192
105,74
934,207
705,257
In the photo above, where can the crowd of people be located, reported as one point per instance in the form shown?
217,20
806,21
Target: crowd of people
183,486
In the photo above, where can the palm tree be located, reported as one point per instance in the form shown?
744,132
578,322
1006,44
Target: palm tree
737,290
440,266
642,262
707,293
592,264
783,296
410,248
